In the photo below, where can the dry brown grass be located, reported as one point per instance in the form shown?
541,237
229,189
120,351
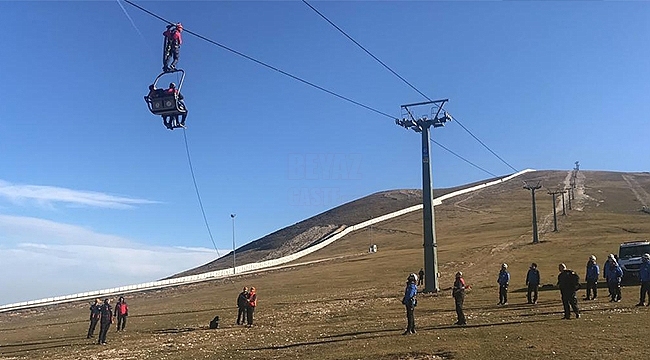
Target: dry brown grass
348,307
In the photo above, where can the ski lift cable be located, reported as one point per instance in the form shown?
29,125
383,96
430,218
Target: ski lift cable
287,74
402,78
462,158
259,62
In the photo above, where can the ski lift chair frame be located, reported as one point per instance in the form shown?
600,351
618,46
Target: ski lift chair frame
167,104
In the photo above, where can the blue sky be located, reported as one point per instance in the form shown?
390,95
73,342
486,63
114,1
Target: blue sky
95,192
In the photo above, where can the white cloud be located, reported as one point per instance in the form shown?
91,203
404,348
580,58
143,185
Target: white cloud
51,259
29,229
50,195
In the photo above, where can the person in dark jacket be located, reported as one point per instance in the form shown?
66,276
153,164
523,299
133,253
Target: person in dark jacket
95,314
121,312
242,303
172,122
503,280
593,272
568,282
252,304
458,292
421,277
644,277
532,281
409,300
106,319
614,275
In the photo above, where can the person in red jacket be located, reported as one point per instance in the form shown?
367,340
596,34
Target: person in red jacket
173,41
121,312
252,303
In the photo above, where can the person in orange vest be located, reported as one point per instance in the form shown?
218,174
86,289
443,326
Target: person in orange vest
121,312
252,303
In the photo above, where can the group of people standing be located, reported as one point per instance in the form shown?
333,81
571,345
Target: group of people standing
568,282
104,314
410,299
246,303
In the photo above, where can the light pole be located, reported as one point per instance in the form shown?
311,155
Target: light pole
232,216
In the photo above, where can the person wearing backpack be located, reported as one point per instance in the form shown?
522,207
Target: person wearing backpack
644,276
121,312
503,280
458,292
614,276
593,272
568,282
410,302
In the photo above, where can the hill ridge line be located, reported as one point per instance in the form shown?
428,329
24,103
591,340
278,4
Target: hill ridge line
212,275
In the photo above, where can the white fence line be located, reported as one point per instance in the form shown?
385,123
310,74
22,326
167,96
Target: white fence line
247,267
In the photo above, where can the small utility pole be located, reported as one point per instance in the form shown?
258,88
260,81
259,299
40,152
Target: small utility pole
569,196
554,194
232,216
422,125
563,203
532,189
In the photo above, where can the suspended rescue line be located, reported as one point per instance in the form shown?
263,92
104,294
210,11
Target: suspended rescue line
168,103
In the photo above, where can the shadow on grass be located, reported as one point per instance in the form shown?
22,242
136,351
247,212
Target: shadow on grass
469,326
359,335
179,330
48,344
42,342
335,339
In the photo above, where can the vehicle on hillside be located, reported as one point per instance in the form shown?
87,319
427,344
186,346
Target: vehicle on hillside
629,258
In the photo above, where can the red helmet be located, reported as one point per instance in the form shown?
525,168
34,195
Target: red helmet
179,26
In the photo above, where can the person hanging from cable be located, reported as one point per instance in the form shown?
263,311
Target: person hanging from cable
172,47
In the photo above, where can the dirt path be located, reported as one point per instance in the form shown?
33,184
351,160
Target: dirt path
639,192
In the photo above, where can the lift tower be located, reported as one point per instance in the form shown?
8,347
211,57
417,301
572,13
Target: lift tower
422,126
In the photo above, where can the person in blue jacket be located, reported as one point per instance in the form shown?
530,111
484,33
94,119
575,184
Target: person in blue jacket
593,272
410,302
532,280
644,276
614,275
503,280
606,267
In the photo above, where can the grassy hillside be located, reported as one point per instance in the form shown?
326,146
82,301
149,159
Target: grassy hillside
305,233
347,305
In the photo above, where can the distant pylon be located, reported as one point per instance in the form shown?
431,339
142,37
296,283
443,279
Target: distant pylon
532,189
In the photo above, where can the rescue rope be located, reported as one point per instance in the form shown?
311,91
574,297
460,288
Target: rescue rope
198,194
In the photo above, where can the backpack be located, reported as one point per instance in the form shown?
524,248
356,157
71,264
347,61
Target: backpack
575,280
214,324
